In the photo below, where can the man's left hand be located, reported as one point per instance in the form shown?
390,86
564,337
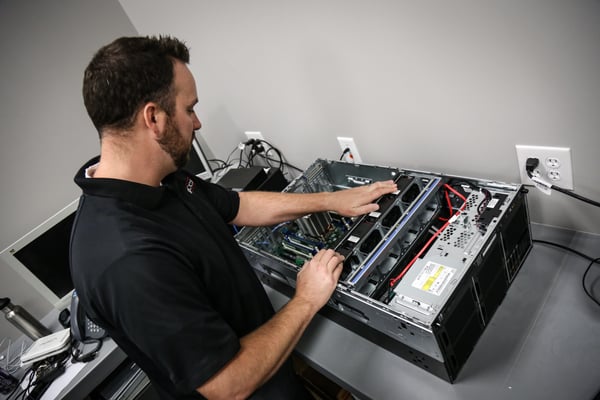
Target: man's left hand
359,200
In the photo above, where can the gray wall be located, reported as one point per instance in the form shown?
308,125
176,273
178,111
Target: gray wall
440,86
433,85
46,134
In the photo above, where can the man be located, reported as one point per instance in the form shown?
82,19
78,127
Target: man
152,258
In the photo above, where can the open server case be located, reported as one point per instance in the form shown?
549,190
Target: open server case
423,275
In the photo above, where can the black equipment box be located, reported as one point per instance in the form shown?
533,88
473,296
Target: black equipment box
254,178
423,275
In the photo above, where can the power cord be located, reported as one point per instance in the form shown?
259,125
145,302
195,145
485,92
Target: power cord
27,373
259,150
39,377
532,163
347,153
592,261
220,164
256,148
78,347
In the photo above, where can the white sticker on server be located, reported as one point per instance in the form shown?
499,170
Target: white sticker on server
492,203
434,278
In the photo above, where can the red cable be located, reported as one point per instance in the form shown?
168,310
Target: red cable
436,234
410,264
457,193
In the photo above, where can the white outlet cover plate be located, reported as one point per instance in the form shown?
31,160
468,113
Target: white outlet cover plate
348,142
546,155
254,135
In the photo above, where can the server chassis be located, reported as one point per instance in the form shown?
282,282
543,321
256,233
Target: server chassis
423,275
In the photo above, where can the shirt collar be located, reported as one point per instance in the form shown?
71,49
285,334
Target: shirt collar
136,193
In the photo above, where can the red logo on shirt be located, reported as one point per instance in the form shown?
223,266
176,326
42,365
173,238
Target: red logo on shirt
189,185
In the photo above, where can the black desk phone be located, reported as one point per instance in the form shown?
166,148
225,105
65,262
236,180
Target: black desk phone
82,328
84,331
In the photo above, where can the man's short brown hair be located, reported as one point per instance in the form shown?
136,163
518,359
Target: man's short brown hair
128,73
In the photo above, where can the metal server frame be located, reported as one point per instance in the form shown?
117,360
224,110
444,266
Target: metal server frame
423,275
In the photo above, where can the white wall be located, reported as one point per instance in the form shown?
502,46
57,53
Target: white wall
45,132
434,85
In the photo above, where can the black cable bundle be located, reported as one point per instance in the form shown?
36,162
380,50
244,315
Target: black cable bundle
39,377
256,149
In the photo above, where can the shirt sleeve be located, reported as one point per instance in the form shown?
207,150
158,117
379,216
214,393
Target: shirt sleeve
160,305
226,202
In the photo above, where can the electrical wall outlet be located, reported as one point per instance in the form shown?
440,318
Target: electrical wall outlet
348,143
264,147
254,135
555,164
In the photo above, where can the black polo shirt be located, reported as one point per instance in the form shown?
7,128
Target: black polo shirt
158,268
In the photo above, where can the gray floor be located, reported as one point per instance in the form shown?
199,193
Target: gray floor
542,343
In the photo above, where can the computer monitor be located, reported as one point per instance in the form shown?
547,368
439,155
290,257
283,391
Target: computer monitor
41,257
198,163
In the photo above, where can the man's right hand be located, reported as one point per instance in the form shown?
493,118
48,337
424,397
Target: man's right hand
264,350
318,278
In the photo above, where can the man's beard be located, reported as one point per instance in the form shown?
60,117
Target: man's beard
173,144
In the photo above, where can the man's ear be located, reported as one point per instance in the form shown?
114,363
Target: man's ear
154,118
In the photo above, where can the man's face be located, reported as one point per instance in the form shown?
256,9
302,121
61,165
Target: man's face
179,131
174,143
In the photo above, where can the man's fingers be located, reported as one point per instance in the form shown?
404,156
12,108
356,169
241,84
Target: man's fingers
383,187
337,272
317,257
335,261
366,208
329,258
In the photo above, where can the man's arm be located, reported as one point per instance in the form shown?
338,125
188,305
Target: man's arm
264,350
269,208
